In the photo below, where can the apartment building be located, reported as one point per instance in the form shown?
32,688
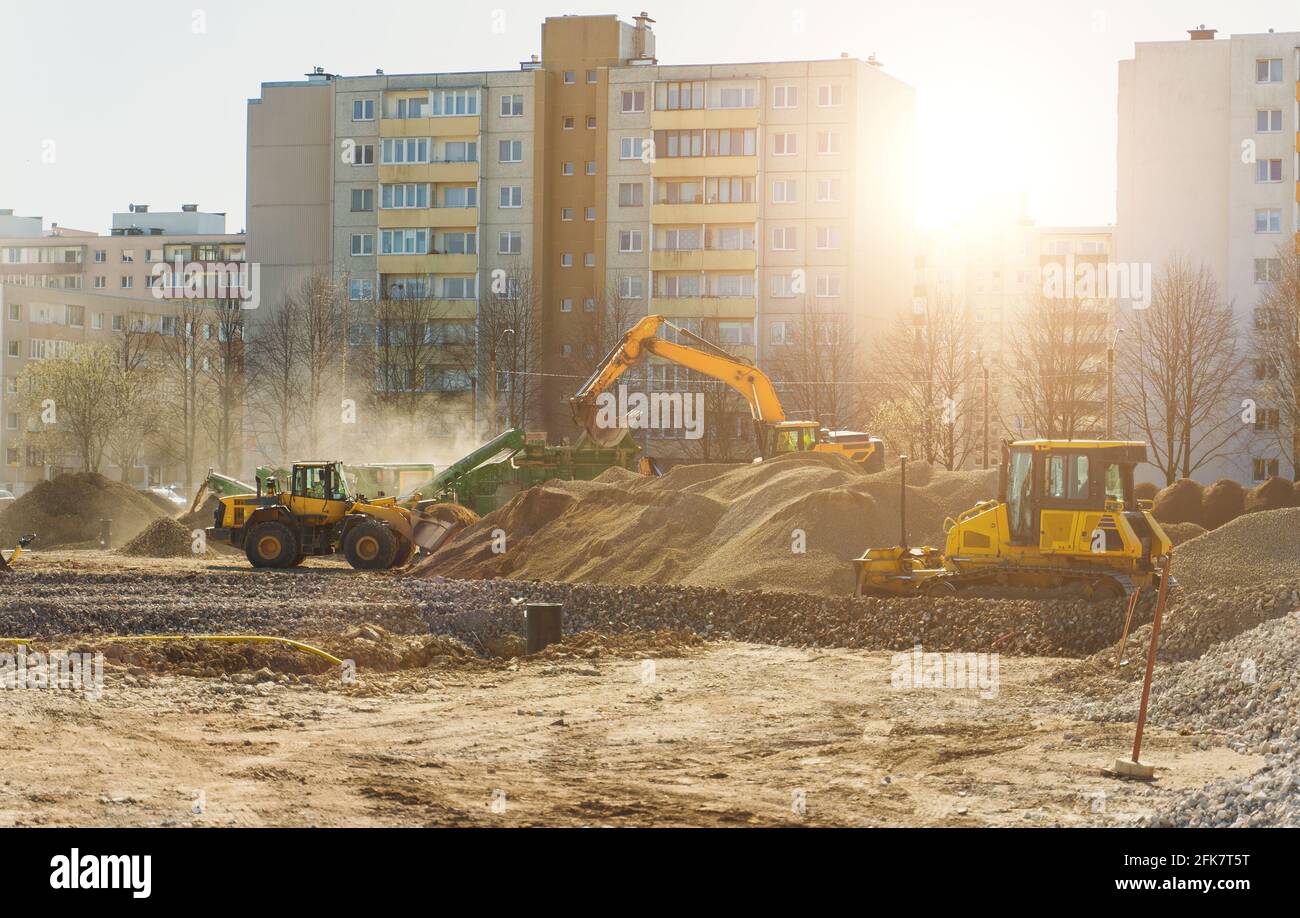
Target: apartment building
1207,156
62,287
728,197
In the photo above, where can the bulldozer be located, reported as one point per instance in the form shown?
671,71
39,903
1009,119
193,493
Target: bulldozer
318,515
1065,519
776,434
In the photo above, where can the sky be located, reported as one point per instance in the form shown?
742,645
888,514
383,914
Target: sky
144,101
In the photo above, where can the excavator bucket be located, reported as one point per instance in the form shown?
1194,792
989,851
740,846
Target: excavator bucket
433,524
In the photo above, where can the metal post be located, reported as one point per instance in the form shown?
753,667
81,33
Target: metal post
1151,659
902,502
986,416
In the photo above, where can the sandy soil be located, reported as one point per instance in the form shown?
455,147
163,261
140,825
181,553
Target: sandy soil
645,731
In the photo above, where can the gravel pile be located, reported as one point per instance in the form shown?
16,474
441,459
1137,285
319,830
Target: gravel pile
164,538
1255,548
67,511
481,612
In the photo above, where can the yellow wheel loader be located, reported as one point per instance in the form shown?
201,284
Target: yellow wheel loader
1065,519
776,434
318,515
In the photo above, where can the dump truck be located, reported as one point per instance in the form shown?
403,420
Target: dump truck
775,433
315,513
1065,518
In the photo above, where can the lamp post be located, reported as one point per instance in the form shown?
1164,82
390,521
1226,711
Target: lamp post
1110,385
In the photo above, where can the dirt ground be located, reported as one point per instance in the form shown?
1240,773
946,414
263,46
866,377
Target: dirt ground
707,734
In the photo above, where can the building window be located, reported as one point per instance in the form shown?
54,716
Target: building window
404,242
566,305
589,305
1268,270
363,244
591,167
460,196
15,347
512,106
784,238
779,333
363,154
633,101
785,144
405,196
363,200
785,191
828,190
1268,220
1268,170
1268,121
828,285
398,150
512,196
118,322
363,110
1267,420
591,76
566,350
590,214
828,238
629,241
457,243
97,320
630,147
591,122
128,256
566,213
566,260
589,260
828,142
1263,469
15,312
511,151
631,194
510,243
101,256
830,95
127,282
566,169
569,78
785,96
452,102
1268,70
361,289
568,122
631,287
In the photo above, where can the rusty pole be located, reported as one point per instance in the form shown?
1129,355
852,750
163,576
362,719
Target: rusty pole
1151,657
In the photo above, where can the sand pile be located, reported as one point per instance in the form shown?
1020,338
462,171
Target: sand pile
162,538
1252,549
67,511
791,523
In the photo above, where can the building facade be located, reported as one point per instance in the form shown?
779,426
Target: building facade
1207,157
63,288
598,185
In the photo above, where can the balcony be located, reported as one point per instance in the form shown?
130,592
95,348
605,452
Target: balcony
428,217
428,264
705,307
703,260
449,126
695,214
703,166
701,118
449,172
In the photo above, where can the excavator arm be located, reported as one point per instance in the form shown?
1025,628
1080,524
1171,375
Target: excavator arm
702,356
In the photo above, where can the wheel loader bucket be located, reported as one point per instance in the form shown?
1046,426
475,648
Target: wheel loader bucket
429,534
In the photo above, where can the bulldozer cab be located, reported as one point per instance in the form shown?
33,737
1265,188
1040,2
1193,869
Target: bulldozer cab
1044,483
318,492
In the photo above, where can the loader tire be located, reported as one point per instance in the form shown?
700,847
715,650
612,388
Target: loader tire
370,546
403,554
271,545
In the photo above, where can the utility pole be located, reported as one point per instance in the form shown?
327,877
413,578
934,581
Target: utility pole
1110,386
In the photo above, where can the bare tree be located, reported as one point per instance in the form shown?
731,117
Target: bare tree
323,335
225,371
1056,366
1180,369
184,395
510,342
1275,353
66,404
815,366
274,367
928,368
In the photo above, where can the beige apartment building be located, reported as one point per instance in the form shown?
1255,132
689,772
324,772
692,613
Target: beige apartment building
606,185
1209,169
61,288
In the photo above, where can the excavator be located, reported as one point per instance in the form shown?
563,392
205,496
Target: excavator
776,434
1065,519
318,514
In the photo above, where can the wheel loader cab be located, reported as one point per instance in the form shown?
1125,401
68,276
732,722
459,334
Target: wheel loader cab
319,491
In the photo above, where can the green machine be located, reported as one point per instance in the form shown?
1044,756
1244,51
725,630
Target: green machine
515,461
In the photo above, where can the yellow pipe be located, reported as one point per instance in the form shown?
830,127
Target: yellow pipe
222,638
